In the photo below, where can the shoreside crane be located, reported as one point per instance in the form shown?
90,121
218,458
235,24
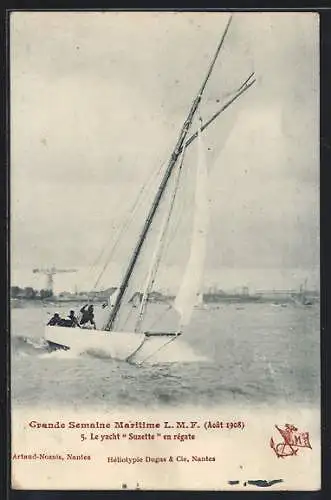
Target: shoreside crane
50,273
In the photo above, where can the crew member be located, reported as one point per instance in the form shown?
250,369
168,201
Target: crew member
55,320
87,315
72,320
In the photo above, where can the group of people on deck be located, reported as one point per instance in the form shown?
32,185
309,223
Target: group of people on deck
86,319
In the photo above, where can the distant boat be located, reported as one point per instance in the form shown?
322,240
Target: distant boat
138,344
200,304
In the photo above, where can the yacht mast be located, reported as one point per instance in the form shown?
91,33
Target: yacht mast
163,184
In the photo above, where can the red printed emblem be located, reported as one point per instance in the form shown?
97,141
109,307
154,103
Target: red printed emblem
292,441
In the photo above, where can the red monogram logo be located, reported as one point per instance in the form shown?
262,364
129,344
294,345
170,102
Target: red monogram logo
292,441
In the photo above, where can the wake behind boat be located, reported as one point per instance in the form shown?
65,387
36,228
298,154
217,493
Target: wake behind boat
126,334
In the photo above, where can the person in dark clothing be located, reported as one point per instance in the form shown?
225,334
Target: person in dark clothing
72,320
87,315
55,320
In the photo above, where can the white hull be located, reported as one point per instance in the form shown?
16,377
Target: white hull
123,346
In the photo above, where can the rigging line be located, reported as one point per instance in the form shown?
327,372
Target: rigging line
169,239
181,210
182,213
184,203
223,108
159,246
246,81
135,205
172,233
192,279
128,221
159,349
128,359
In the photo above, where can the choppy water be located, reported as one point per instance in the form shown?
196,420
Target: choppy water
252,354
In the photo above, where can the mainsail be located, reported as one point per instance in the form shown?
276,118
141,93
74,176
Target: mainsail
188,294
159,195
143,265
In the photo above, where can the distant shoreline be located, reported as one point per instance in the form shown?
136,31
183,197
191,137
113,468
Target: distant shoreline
208,299
21,302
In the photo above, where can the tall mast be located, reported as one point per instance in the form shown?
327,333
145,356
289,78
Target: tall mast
163,184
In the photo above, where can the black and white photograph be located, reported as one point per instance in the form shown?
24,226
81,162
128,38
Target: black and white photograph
165,275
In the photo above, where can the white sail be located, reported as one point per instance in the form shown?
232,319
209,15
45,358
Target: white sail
113,297
159,246
188,294
199,301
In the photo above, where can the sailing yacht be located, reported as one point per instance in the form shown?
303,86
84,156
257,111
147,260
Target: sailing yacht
139,343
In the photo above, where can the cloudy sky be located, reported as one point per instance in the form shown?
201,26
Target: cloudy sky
97,100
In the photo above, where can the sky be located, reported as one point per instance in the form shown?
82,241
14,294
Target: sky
97,101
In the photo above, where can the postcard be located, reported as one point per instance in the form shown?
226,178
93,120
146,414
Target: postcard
165,250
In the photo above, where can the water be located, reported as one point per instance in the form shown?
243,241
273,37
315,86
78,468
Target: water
248,355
